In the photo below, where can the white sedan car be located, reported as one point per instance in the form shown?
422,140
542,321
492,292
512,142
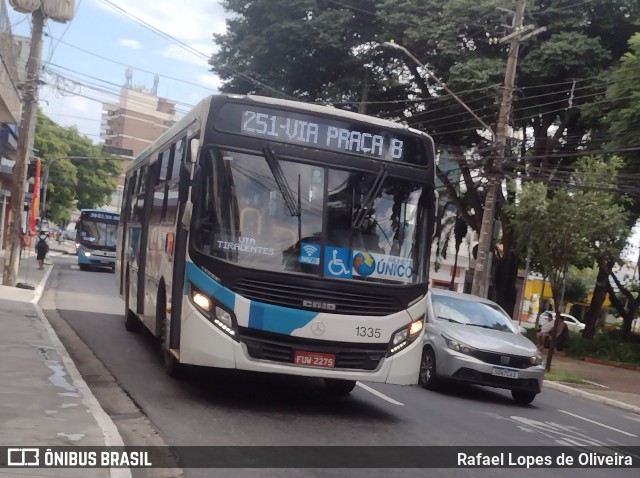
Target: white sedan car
573,324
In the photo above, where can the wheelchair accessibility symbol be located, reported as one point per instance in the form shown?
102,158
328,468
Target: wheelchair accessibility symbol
337,262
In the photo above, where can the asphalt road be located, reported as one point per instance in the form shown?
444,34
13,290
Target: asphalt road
240,408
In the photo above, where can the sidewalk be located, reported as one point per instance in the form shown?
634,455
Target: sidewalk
43,400
613,386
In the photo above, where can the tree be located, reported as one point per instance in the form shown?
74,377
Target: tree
568,226
620,121
81,183
628,305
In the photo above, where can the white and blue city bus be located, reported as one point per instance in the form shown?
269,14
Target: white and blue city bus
275,236
96,233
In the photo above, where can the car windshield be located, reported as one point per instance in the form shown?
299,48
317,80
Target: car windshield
266,212
472,313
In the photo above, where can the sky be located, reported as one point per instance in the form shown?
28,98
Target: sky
86,58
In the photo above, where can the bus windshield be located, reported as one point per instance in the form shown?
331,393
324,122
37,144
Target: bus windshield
311,219
95,233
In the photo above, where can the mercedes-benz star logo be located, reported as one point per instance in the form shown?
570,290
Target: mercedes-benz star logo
318,328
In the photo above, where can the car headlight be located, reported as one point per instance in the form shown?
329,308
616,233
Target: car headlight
403,337
536,359
458,346
216,313
86,253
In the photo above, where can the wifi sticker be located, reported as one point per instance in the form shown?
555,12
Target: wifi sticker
309,254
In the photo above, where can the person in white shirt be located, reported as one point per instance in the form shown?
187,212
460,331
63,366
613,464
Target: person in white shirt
545,330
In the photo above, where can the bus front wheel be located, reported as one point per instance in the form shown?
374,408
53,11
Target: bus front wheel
339,387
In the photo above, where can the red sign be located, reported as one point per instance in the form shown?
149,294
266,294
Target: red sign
35,200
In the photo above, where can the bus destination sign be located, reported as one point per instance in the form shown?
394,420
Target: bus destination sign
105,216
316,131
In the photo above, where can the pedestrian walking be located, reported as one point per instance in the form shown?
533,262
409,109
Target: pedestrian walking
42,248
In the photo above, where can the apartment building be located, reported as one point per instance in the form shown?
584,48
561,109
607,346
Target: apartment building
133,123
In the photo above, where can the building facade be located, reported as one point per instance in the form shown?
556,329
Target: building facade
132,124
13,55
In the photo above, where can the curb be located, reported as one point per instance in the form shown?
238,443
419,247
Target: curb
591,396
110,432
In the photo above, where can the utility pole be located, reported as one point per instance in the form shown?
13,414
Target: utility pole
23,149
482,274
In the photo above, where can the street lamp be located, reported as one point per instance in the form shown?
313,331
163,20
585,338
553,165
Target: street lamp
444,87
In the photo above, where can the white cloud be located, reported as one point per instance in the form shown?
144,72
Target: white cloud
210,81
135,44
194,23
83,113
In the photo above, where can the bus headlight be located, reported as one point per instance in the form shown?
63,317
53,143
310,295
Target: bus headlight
201,301
403,337
217,314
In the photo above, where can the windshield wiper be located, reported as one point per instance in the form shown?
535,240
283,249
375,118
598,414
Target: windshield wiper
281,181
366,205
480,325
449,320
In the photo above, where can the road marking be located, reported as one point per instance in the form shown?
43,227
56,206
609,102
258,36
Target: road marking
597,423
378,394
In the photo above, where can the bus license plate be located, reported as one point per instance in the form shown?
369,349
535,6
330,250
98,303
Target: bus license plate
504,372
314,359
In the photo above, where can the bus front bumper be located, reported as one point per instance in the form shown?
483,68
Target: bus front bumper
204,344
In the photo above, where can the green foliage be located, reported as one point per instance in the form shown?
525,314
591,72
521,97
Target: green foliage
570,226
85,182
603,346
560,375
576,289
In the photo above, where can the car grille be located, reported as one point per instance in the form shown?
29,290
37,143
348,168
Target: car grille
288,295
514,361
280,348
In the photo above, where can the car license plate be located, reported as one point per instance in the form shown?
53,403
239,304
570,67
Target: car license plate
504,372
314,359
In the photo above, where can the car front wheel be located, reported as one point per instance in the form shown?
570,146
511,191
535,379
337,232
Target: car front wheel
427,377
523,398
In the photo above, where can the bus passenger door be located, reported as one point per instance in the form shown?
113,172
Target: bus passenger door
144,237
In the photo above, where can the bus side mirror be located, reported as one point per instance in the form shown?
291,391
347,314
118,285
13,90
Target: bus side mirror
186,215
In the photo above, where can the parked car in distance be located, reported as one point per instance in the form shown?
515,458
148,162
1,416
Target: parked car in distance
473,340
573,324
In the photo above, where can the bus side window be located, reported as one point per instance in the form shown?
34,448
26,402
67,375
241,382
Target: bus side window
138,212
159,170
171,192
